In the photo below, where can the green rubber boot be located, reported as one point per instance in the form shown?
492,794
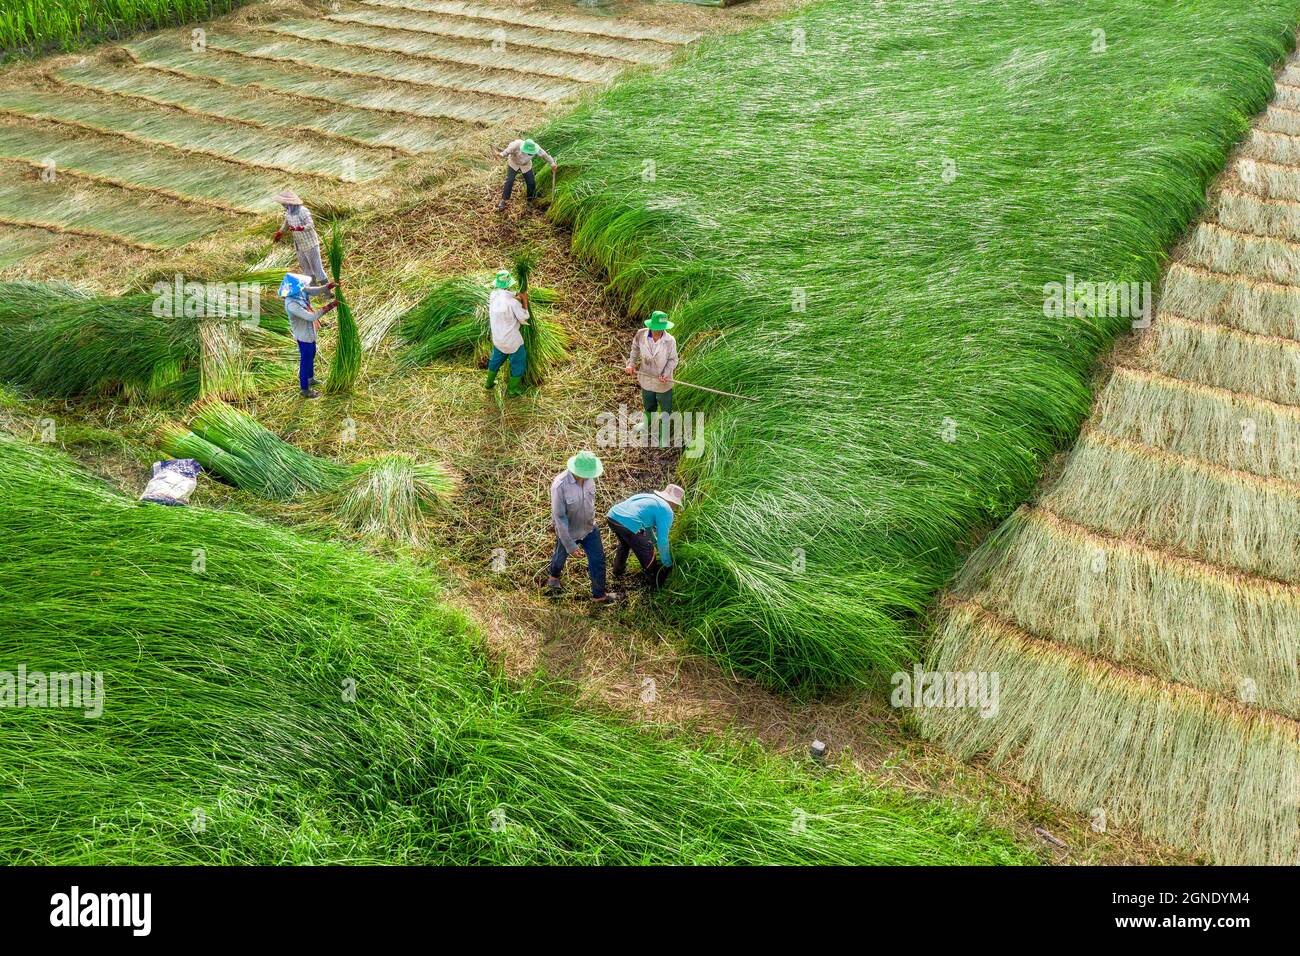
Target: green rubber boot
491,380
516,386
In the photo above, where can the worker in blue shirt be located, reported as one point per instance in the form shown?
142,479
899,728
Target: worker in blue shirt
641,526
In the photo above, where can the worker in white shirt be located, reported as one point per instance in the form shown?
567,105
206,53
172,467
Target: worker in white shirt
297,290
507,311
652,360
519,156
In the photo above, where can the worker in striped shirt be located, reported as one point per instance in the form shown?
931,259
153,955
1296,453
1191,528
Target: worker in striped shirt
302,230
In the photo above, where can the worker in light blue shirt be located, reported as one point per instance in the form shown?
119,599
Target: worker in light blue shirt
641,525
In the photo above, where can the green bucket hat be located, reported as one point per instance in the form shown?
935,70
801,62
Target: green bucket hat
503,280
658,322
530,147
586,465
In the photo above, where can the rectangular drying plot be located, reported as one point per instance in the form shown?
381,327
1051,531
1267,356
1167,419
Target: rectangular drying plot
506,36
235,68
503,43
597,26
423,60
78,206
251,106
123,162
237,143
18,243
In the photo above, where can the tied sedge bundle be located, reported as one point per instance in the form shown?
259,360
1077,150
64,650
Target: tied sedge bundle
235,446
389,496
544,343
386,496
346,365
452,319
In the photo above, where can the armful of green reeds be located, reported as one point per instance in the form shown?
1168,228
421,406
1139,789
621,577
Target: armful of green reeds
347,351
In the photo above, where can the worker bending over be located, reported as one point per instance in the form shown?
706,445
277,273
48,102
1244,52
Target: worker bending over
573,513
297,290
652,360
519,156
302,229
507,311
641,525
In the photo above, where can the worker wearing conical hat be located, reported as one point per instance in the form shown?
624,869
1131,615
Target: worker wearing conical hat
653,359
519,156
302,229
641,525
573,514
507,312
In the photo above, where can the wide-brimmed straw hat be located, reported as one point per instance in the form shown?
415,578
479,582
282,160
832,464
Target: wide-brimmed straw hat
288,198
586,465
672,494
658,322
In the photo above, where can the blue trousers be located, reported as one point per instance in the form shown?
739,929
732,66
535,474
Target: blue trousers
518,361
306,363
595,551
530,180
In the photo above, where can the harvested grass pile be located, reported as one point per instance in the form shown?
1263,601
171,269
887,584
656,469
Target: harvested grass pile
58,342
842,235
387,496
452,319
306,703
346,365
245,453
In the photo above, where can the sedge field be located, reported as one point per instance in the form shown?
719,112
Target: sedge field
852,213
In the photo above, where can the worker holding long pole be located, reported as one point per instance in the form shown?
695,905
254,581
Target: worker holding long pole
653,359
507,311
300,226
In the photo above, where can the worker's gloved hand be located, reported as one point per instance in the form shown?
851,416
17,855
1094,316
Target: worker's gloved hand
330,307
276,237
331,285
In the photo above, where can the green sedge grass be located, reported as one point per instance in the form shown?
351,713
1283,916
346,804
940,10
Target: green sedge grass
852,217
36,27
346,365
304,702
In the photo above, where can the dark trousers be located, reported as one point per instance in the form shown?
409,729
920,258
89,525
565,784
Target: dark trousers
639,544
659,425
306,364
530,180
595,551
